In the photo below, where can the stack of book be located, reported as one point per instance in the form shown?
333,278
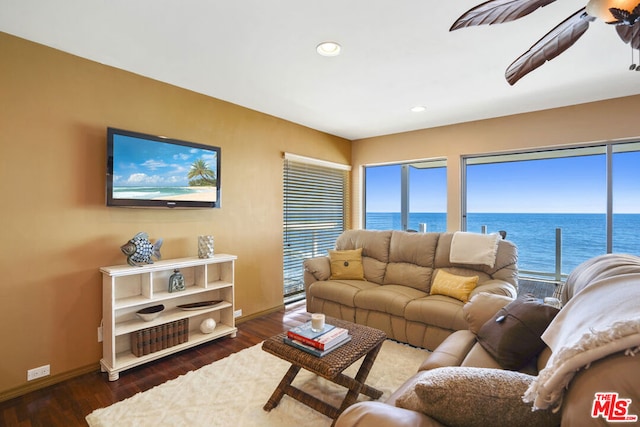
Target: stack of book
156,338
317,343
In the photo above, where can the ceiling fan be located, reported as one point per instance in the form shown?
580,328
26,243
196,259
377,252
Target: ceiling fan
620,13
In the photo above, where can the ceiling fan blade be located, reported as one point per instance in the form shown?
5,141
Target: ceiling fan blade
630,33
551,45
497,12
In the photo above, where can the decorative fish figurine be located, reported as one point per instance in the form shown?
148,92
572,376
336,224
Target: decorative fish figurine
139,250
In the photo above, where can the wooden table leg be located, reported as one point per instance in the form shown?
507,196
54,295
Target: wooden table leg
280,390
358,385
313,402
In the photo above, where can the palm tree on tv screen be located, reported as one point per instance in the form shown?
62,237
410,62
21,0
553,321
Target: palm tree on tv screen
201,175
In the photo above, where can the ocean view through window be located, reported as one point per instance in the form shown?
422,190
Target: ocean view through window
583,235
408,189
570,189
590,193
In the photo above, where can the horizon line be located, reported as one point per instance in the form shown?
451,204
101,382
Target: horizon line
512,213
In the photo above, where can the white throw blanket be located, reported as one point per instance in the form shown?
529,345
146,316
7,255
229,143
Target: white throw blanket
474,248
601,319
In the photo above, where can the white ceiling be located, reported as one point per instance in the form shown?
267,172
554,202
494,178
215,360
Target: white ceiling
261,54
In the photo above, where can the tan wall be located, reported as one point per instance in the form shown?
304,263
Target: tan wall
615,119
56,229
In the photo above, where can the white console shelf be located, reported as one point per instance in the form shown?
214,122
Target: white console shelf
127,289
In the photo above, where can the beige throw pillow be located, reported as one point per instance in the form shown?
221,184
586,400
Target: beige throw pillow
346,265
470,397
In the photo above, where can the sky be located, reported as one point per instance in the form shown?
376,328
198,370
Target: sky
145,163
563,185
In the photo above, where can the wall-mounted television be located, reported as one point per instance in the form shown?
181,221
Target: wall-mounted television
154,171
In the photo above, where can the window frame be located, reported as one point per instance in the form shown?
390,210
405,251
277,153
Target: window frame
605,148
405,182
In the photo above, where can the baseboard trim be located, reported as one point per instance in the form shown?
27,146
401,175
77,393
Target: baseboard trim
46,382
55,379
242,319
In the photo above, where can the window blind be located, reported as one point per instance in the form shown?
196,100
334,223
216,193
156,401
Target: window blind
315,214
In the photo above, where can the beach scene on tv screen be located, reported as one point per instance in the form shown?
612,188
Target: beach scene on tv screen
152,170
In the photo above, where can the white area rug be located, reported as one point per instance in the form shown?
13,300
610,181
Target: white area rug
232,392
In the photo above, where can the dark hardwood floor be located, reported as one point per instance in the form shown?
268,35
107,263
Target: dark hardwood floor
68,403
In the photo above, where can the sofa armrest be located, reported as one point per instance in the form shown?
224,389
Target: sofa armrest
496,286
315,269
617,373
482,307
451,352
378,414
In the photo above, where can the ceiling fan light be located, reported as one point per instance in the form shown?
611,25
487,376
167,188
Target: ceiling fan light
600,8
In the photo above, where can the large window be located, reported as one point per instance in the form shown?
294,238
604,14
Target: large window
561,207
316,196
625,182
411,196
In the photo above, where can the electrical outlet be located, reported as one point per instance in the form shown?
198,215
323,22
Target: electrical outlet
39,372
237,313
99,333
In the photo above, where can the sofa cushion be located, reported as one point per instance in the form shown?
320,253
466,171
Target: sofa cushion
413,248
339,291
482,307
458,287
506,266
375,251
391,299
409,275
374,270
346,265
468,397
441,311
411,259
374,244
513,335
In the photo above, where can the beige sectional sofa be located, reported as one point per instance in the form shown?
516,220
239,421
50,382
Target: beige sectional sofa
396,290
587,374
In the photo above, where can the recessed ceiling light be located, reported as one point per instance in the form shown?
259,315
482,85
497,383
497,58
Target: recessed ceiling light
418,109
328,49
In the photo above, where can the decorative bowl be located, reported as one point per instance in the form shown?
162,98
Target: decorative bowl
149,313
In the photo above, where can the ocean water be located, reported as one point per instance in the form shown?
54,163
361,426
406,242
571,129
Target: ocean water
583,235
146,193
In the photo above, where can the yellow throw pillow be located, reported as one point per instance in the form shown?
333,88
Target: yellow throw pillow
458,287
346,265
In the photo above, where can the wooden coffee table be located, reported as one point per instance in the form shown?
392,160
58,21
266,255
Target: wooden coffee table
365,342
